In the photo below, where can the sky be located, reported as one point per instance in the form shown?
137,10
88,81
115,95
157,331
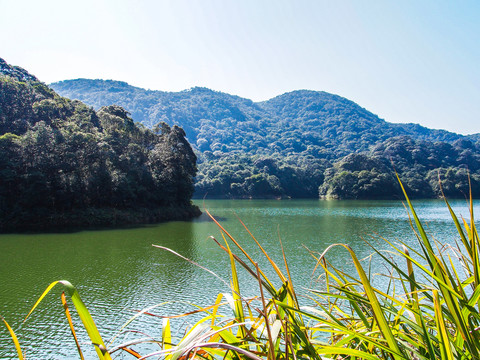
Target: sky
405,61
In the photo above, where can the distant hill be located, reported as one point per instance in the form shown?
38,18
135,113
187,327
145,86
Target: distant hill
318,120
279,147
63,164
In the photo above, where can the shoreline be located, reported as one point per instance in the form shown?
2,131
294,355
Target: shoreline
95,219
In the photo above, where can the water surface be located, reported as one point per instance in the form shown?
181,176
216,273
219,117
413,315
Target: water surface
118,272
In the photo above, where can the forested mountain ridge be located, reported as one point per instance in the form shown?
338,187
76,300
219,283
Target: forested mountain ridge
212,119
64,164
293,145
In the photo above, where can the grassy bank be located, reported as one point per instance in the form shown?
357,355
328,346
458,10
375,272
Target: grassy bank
428,309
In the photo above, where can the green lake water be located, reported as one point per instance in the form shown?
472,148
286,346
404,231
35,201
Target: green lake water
118,272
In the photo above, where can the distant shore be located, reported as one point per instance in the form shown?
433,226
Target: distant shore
94,218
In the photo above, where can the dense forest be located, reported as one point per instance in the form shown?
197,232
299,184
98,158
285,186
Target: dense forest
299,144
64,164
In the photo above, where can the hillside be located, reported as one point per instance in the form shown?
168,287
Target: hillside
283,146
63,164
318,120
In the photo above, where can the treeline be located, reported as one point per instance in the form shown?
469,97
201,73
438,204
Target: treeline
243,176
299,144
425,168
63,164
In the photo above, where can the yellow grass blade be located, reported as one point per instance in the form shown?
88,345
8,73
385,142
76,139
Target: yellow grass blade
274,265
47,290
271,350
240,316
84,315
166,334
14,338
334,350
290,282
70,323
131,352
445,346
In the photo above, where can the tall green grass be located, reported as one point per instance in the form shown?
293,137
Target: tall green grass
429,308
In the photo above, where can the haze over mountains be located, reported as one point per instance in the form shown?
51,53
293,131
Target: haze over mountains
295,144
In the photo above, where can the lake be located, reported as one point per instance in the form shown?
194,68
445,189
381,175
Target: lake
118,272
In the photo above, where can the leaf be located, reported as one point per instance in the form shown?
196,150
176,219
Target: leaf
14,338
84,315
377,310
70,323
166,334
445,346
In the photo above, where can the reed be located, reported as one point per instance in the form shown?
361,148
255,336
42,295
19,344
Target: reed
428,310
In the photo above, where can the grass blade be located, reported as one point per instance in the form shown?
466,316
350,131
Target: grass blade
84,315
14,339
445,347
70,323
445,285
166,334
376,308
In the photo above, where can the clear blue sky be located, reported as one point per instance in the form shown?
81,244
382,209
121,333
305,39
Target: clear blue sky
406,61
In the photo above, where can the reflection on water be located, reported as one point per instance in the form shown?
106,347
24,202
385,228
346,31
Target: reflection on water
118,271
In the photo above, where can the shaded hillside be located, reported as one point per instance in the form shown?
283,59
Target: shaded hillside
280,147
64,164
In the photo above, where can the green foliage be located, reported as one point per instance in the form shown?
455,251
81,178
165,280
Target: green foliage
303,132
60,158
242,176
358,176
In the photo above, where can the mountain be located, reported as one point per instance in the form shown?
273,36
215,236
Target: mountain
283,146
315,119
63,164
